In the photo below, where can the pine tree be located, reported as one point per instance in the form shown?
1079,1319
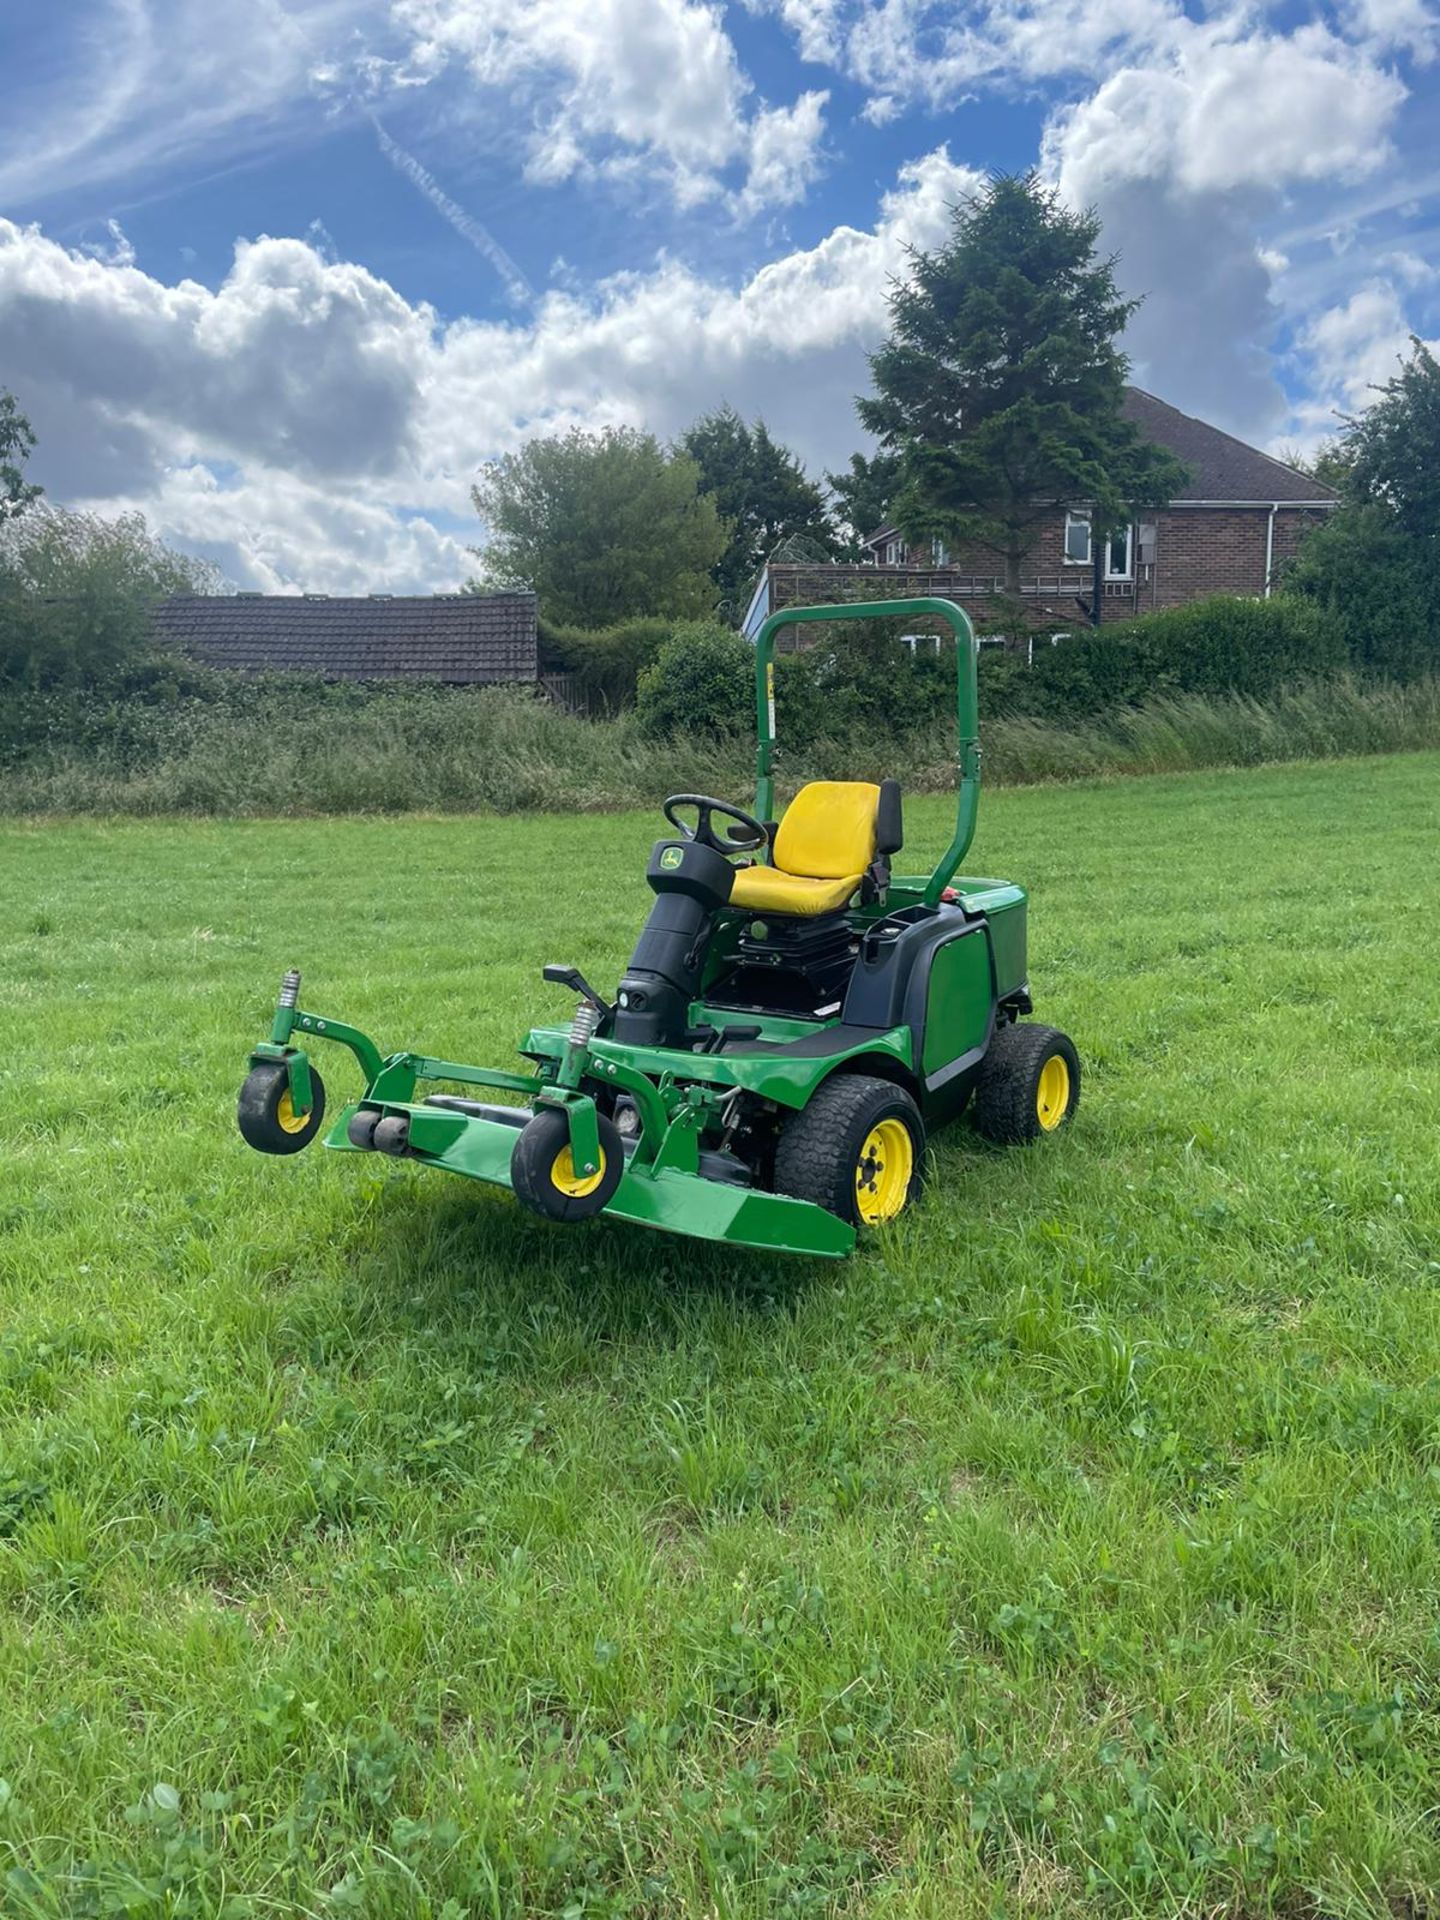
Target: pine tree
1001,383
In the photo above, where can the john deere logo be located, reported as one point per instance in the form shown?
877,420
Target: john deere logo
672,856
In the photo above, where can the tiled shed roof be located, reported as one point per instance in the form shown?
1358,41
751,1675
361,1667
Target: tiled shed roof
462,638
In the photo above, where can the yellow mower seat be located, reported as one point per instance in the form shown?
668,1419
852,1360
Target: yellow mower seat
825,843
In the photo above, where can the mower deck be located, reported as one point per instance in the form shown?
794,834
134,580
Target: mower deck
480,1148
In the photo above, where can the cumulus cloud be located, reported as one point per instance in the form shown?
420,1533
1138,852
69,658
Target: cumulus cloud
1185,158
1229,109
609,85
305,425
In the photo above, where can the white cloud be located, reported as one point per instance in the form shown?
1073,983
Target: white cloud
115,250
300,422
611,84
785,154
144,83
1228,109
1403,26
1346,351
1357,345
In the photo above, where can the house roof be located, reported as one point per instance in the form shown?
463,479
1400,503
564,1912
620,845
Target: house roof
1222,468
462,638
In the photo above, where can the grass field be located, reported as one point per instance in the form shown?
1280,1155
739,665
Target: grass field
368,1547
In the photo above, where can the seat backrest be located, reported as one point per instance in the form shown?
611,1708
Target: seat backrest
828,831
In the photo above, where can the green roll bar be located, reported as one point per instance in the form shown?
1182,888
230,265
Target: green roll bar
967,706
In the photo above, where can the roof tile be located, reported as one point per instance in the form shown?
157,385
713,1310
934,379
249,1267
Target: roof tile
463,638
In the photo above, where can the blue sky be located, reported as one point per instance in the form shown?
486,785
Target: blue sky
281,274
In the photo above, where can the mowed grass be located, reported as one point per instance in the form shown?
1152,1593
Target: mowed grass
367,1546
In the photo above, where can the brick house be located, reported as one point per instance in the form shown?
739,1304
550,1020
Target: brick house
1230,529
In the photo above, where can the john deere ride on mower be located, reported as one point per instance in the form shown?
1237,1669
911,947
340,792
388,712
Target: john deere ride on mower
793,1020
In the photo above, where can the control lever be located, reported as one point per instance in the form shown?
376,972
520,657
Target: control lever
561,976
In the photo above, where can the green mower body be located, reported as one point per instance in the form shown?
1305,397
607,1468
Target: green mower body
767,1074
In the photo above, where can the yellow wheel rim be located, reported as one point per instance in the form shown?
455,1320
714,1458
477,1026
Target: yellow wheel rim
564,1178
285,1114
1052,1095
883,1171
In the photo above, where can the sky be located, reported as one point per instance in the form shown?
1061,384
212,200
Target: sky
282,274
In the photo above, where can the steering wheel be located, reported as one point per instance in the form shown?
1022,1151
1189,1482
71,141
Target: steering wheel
747,835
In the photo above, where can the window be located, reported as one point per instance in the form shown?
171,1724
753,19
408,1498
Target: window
939,552
895,553
1117,554
1077,539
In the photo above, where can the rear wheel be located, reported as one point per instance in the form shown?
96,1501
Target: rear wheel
266,1112
1029,1084
543,1173
857,1149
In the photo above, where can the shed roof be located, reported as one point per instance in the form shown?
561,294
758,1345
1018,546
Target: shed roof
462,638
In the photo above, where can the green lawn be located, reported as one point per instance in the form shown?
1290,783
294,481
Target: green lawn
367,1546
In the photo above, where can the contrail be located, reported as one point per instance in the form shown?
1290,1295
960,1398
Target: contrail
469,229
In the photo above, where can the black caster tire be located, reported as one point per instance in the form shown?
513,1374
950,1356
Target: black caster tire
543,1175
1028,1086
266,1116
361,1130
857,1149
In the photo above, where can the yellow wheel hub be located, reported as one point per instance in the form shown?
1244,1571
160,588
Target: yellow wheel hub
1052,1095
564,1178
285,1114
883,1172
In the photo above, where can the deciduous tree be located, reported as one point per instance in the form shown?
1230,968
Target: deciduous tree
603,527
17,443
864,495
762,492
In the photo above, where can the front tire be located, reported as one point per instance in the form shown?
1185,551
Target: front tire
543,1174
266,1113
1029,1084
857,1149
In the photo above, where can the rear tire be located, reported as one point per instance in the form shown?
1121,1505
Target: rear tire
857,1149
266,1115
542,1173
1029,1085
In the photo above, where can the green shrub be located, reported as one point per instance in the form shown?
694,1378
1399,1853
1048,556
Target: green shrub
606,661
1379,585
1225,644
700,682
859,677
295,746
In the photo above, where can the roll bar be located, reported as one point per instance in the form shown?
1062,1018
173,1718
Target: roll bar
967,708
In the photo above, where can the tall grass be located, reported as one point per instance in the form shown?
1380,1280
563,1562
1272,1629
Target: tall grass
501,751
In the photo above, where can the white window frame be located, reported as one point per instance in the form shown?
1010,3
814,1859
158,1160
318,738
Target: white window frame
1127,572
1077,517
894,553
939,552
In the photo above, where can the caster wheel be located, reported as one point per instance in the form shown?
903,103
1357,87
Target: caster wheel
266,1114
544,1176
